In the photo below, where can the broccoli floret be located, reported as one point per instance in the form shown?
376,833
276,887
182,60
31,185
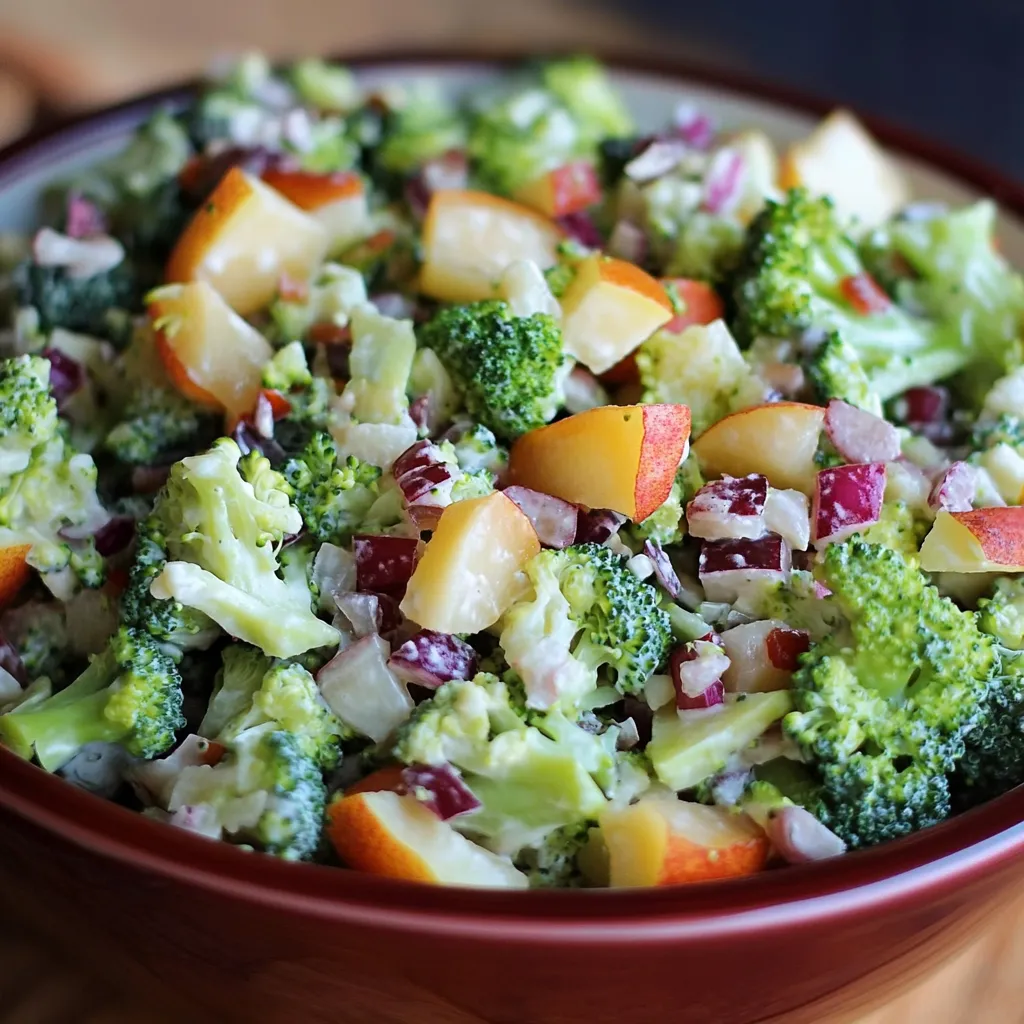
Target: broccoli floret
900,528
330,299
510,369
39,633
883,707
99,305
267,790
45,485
223,521
582,84
287,696
476,448
585,611
379,368
425,126
287,369
1002,614
130,694
993,760
531,778
552,863
836,372
958,276
333,496
155,423
801,273
167,621
702,367
241,673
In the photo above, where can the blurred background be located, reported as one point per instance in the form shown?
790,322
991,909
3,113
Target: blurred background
946,68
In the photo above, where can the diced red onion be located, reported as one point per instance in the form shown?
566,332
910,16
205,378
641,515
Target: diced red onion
449,171
10,661
730,508
663,568
429,658
723,181
821,591
628,242
629,735
362,611
115,535
334,571
711,697
67,375
419,484
385,564
696,666
554,519
419,412
785,379
954,490
726,567
417,456
784,647
83,218
799,838
249,439
846,499
658,158
860,436
597,525
693,126
581,227
440,789
922,405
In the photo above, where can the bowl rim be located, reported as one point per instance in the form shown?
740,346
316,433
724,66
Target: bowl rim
928,865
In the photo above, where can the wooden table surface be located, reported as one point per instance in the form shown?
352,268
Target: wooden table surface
75,53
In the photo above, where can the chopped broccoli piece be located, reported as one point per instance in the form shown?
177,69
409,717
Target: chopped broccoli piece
39,633
582,84
703,368
287,369
28,412
836,372
287,696
130,694
883,707
664,525
900,528
585,611
99,305
241,673
331,297
800,273
528,782
551,864
510,369
334,497
425,126
325,85
1002,614
379,365
223,519
156,423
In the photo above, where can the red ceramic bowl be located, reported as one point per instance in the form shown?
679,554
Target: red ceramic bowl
240,937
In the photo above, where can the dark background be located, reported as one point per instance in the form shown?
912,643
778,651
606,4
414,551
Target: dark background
953,69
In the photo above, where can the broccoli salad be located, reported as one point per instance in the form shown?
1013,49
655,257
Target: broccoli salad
477,490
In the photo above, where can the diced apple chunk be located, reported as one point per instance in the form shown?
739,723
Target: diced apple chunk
622,458
208,350
729,509
982,540
661,840
243,239
469,238
396,836
841,159
338,201
469,572
860,436
564,190
729,567
778,440
14,571
609,309
760,656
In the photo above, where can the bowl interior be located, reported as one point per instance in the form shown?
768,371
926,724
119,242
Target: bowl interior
983,837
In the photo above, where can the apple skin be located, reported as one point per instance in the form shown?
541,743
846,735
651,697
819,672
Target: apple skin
470,238
243,238
981,540
665,841
468,573
14,571
609,309
567,189
777,440
618,457
384,833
